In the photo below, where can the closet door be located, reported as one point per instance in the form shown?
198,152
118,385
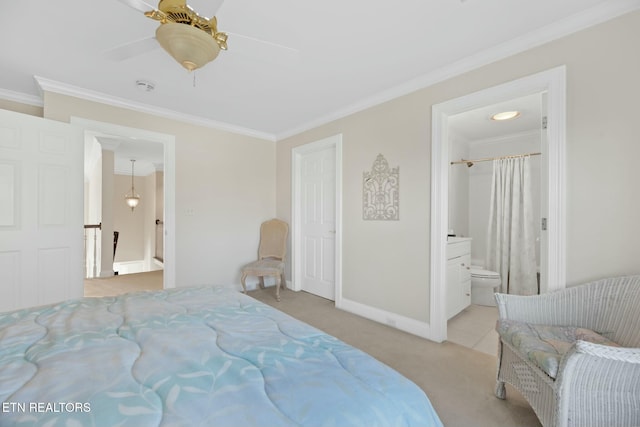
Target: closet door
318,222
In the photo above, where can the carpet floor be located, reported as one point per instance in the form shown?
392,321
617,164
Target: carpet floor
459,381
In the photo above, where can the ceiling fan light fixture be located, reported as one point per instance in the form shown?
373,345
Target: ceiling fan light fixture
191,47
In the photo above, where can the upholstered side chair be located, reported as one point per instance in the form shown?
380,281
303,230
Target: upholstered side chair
271,255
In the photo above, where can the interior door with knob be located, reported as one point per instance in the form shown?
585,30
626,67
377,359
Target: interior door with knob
41,196
318,222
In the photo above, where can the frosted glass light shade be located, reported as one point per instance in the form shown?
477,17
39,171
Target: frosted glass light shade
505,115
191,47
132,201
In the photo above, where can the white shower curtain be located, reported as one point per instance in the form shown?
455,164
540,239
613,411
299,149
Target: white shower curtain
511,233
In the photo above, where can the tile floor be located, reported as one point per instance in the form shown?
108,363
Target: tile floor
474,327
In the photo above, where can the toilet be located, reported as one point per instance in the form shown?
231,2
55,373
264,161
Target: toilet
484,284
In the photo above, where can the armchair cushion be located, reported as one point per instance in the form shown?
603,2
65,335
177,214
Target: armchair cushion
544,345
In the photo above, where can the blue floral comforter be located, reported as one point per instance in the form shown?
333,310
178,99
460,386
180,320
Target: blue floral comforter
205,356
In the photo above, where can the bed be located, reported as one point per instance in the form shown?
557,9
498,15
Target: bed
200,356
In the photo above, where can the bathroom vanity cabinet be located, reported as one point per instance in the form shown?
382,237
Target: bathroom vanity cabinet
458,275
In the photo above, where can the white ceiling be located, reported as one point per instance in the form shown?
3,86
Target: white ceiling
308,62
476,125
148,155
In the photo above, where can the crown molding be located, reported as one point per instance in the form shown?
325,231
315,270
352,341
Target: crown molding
49,85
141,170
564,27
108,144
22,98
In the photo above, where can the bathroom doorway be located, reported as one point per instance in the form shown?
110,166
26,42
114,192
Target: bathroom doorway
552,85
476,139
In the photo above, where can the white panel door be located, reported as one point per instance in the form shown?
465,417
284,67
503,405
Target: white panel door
318,222
41,212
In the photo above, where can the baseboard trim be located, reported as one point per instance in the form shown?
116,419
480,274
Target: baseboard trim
394,320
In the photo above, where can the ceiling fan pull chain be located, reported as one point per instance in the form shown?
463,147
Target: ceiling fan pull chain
194,79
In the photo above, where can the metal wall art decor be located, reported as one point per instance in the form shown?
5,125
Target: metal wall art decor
380,192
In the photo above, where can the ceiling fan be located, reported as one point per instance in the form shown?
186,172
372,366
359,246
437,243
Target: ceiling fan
191,39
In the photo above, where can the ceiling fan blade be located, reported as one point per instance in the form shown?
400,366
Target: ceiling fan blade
216,5
259,49
208,8
140,5
131,49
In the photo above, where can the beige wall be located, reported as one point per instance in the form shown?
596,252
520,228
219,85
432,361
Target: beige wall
386,264
130,225
225,179
21,108
137,228
158,183
154,185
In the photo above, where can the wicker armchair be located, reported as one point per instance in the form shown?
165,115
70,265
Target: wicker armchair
595,384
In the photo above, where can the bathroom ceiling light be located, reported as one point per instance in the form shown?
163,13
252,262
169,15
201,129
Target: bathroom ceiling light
505,115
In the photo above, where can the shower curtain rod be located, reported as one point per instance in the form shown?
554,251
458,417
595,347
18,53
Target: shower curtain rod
487,159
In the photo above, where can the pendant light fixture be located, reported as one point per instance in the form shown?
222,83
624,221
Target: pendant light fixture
132,198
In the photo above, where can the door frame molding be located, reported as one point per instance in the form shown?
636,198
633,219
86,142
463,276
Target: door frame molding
553,82
296,215
169,141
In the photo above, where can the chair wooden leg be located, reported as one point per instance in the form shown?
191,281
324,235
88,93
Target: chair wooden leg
283,281
261,282
242,279
278,288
